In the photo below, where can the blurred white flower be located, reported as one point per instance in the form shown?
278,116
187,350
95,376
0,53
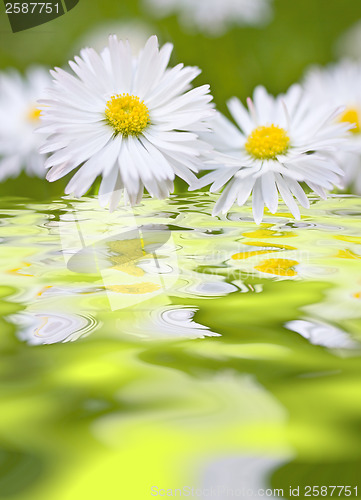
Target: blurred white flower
349,43
37,326
340,85
136,32
214,16
130,120
279,143
19,117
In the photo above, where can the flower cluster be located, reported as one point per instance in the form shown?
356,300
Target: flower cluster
135,123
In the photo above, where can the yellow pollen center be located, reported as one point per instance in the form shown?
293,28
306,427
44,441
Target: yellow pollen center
265,143
352,115
33,114
127,114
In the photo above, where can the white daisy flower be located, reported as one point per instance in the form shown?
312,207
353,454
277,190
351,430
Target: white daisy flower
340,85
214,16
280,142
130,120
19,117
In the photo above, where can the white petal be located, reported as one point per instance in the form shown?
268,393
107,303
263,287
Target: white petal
269,191
287,196
241,115
257,203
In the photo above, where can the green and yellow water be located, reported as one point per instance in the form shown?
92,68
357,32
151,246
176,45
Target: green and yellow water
161,347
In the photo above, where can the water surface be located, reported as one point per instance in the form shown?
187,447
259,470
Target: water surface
161,347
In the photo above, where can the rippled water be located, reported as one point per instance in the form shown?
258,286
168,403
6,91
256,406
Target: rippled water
162,347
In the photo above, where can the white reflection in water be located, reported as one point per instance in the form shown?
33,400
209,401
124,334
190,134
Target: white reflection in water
37,326
243,476
135,262
170,322
50,327
322,334
207,288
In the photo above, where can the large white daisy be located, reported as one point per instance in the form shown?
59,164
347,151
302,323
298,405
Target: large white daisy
130,120
279,143
340,84
19,117
214,16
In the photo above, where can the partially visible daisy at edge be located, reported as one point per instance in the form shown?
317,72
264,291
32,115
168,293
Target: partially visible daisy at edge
340,84
214,16
127,119
19,117
278,143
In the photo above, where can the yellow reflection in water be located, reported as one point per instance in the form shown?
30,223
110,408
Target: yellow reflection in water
280,267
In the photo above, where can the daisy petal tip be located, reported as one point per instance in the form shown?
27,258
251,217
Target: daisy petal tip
49,177
103,202
153,40
258,219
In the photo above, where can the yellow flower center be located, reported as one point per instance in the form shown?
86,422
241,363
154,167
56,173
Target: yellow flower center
265,143
127,114
352,115
33,114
